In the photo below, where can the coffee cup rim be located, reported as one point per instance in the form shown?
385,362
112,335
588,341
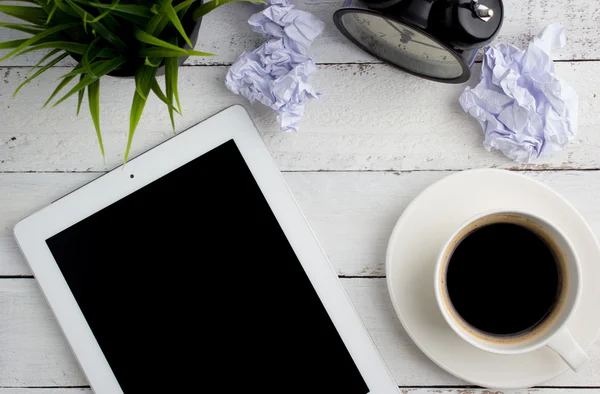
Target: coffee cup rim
450,320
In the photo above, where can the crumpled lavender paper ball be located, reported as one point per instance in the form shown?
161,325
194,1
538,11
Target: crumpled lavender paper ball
275,77
298,29
525,110
282,3
276,73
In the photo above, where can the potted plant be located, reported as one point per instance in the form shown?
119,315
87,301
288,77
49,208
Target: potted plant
120,38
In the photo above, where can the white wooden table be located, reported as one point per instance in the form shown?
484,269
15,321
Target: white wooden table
374,141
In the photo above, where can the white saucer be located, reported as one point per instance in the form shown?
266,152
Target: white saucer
421,232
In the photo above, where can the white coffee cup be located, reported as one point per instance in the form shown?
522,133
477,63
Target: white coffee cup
552,331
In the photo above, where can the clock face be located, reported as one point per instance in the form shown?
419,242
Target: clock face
402,45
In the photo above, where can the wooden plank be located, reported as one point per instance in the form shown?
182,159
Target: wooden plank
371,118
44,390
226,31
35,353
352,214
469,390
403,390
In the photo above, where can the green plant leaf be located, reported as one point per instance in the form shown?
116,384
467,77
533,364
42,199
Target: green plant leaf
46,5
150,39
40,71
167,9
59,15
100,69
109,36
35,15
184,5
85,21
94,104
89,56
162,52
133,9
99,27
51,14
159,93
11,44
72,47
130,18
171,69
157,23
171,76
24,1
131,13
80,70
153,61
60,87
65,8
43,59
80,94
38,37
211,5
31,29
110,22
152,27
143,77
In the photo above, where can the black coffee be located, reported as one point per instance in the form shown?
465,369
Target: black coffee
503,279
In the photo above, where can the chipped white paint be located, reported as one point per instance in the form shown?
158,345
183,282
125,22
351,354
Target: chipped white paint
371,117
226,31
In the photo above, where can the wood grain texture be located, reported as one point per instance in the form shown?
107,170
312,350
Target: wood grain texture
403,390
468,390
35,353
44,390
371,117
352,214
226,31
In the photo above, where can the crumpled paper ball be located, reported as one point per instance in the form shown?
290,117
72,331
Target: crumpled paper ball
276,73
281,3
298,29
525,110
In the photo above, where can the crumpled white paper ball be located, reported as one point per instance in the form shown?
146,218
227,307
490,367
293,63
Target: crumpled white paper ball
276,73
525,110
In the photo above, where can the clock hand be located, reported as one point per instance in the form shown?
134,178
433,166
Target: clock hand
403,35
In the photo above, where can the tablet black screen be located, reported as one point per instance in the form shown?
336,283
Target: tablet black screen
190,285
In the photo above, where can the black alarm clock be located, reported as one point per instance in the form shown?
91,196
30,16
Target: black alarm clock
434,39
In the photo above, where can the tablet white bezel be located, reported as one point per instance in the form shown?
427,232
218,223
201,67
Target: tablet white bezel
232,123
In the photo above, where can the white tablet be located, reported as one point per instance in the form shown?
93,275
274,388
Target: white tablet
193,269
